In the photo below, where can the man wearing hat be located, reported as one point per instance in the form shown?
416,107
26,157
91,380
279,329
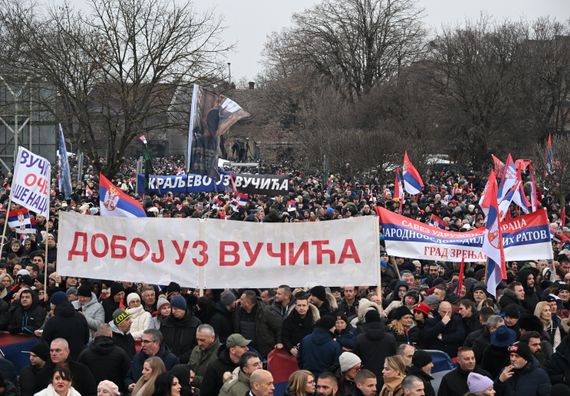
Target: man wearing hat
121,327
228,359
523,376
66,323
39,356
496,355
318,351
222,319
114,301
91,309
319,299
179,329
152,345
350,365
421,368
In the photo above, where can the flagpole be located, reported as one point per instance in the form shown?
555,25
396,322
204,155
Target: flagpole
46,255
5,226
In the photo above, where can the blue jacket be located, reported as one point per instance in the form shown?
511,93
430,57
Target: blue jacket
318,351
531,380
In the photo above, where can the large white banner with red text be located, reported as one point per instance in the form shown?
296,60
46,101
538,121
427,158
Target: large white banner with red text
215,253
524,238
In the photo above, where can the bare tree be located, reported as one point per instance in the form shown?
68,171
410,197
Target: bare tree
116,68
351,44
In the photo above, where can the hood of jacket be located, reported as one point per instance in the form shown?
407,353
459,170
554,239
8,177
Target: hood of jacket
321,336
374,331
64,309
102,345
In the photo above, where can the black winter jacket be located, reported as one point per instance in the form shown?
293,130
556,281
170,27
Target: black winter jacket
69,324
373,346
180,335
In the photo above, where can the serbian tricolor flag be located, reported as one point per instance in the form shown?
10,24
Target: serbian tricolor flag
291,205
498,165
493,240
519,198
242,198
114,202
19,219
398,189
437,221
549,156
508,178
413,183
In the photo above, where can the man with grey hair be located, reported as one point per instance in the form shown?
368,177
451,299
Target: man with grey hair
413,386
204,352
483,341
406,351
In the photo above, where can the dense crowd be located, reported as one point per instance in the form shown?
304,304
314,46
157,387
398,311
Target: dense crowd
109,338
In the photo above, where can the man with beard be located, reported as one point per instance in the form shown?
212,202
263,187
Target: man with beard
298,324
454,383
523,376
27,314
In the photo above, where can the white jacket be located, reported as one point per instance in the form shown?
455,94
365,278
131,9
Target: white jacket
49,391
141,321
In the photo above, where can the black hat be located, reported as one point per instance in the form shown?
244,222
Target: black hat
173,287
521,349
372,315
400,312
421,358
512,311
326,322
116,288
319,292
41,350
84,291
530,323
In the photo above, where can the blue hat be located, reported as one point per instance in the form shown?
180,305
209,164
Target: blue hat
178,302
58,297
503,337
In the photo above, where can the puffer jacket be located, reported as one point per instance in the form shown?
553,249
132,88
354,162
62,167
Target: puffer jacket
93,312
531,380
318,351
141,321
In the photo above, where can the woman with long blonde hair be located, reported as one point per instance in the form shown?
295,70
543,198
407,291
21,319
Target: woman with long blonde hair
301,383
543,311
394,373
152,368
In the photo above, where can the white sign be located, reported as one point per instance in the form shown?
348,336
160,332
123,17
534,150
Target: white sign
219,254
31,182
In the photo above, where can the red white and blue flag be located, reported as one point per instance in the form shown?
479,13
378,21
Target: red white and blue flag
519,198
19,219
413,183
498,165
114,202
398,188
291,205
549,156
508,178
493,240
437,221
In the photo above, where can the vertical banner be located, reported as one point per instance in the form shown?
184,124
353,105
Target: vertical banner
31,182
64,171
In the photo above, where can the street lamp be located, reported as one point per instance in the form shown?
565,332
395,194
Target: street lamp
230,73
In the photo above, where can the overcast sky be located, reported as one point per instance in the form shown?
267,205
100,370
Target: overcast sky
248,22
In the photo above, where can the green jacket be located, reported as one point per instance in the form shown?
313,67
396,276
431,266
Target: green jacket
237,386
199,361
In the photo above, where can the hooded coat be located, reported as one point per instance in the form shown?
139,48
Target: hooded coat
222,321
318,351
531,380
295,328
69,324
373,346
180,334
26,321
106,361
558,367
531,294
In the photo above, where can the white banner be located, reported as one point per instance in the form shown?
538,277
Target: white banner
219,254
31,182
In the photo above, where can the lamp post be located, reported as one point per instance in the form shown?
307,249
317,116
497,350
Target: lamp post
230,73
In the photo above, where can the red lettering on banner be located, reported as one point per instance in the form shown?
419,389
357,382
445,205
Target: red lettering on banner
160,257
345,254
253,254
202,247
294,256
74,252
32,179
118,251
321,252
229,248
105,250
133,247
281,253
180,252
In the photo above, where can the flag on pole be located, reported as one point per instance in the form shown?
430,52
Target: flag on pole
493,240
147,162
437,221
519,198
114,202
533,196
506,201
64,171
498,165
508,178
461,276
19,219
549,156
398,189
211,116
413,183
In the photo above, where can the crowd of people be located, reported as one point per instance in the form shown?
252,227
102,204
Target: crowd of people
107,338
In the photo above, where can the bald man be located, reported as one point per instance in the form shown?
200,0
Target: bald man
445,331
261,383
